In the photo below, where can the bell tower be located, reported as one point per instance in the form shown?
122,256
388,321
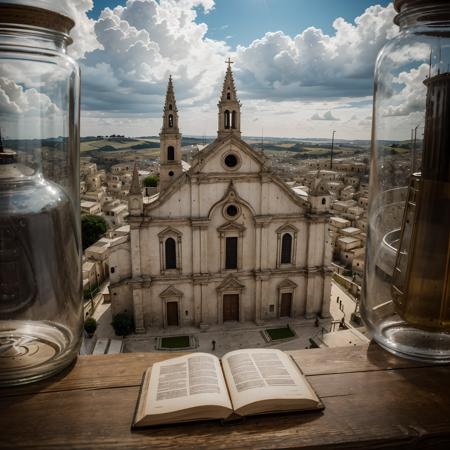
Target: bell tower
229,107
170,141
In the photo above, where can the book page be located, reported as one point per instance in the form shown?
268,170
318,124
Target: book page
186,382
255,375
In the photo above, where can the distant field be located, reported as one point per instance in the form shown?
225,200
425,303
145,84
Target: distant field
111,145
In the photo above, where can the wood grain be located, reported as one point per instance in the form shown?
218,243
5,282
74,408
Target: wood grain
372,401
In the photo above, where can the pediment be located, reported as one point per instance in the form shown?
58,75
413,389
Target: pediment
210,160
231,226
231,196
287,228
287,284
169,231
230,283
171,291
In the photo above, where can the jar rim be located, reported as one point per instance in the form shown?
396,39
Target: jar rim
33,16
426,12
399,4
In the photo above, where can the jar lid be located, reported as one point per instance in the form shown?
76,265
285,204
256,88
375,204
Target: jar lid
39,14
398,4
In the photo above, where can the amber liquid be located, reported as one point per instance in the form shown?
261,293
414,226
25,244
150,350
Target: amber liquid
421,279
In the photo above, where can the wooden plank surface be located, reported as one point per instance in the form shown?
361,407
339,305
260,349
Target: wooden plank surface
372,400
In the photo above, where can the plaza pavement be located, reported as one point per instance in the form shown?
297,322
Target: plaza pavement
230,336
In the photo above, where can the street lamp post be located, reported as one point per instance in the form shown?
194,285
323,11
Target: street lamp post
332,147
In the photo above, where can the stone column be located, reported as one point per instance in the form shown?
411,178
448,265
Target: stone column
138,309
204,306
265,293
259,299
310,311
325,311
135,251
197,304
196,247
258,228
203,249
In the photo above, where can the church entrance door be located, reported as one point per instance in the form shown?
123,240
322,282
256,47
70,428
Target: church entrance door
230,307
172,313
286,304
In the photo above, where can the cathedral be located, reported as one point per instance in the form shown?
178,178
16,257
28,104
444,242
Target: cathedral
222,240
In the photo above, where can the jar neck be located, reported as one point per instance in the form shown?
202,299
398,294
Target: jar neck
433,15
31,38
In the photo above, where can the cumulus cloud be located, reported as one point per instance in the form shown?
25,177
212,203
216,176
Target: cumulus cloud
83,34
326,116
141,44
314,64
411,95
14,99
127,54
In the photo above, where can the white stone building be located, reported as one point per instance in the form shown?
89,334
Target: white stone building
225,240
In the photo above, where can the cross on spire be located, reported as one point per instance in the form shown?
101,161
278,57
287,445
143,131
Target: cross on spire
229,62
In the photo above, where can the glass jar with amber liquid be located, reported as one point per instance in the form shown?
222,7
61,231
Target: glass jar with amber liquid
406,291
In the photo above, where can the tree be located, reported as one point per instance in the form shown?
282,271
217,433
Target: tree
92,228
151,181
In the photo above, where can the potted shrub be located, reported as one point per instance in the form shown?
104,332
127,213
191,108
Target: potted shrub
123,324
90,325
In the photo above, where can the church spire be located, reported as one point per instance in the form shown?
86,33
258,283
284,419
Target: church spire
170,115
135,188
135,199
229,106
170,141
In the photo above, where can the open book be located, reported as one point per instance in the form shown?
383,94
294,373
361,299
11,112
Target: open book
199,386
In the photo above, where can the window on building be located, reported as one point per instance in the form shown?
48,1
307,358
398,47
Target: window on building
171,253
227,119
170,120
228,95
231,249
286,249
231,160
323,201
233,119
170,153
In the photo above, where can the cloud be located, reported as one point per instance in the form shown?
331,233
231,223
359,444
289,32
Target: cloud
15,100
127,54
410,96
141,44
326,116
315,65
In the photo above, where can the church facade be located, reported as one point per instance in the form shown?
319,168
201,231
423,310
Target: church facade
225,240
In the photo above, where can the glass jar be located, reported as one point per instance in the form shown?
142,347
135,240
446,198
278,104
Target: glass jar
41,310
406,291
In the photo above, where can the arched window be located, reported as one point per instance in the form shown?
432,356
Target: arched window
323,201
170,107
171,253
228,95
286,249
170,153
233,119
170,120
227,119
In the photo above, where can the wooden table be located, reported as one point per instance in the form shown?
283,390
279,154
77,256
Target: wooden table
372,400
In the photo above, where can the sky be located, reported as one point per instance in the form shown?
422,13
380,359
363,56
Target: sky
302,68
